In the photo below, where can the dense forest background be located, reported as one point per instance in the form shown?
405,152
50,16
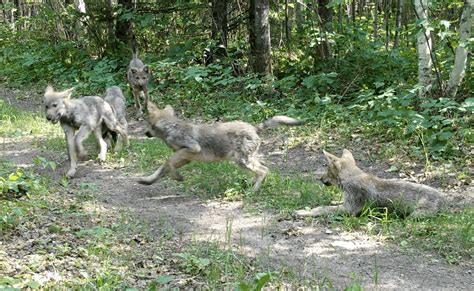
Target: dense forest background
390,67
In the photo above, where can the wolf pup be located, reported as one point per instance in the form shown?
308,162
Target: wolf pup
359,187
115,98
78,118
138,75
237,141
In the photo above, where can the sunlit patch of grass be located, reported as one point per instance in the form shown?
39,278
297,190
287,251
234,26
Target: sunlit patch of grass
16,123
144,155
449,234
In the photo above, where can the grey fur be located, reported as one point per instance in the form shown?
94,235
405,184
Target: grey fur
360,188
138,75
237,141
78,118
115,98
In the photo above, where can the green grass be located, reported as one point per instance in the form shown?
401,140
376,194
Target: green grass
16,123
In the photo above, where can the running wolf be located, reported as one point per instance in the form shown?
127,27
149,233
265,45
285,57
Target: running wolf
115,98
138,75
78,118
359,188
237,141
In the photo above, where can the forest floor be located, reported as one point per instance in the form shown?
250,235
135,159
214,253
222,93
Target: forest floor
310,250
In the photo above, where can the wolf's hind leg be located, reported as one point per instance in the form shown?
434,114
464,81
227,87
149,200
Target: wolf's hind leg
179,159
255,166
102,144
113,125
81,135
71,150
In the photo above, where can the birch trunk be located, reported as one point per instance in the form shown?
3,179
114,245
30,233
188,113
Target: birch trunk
460,61
424,45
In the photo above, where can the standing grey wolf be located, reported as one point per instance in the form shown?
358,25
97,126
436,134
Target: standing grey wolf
237,141
359,188
138,75
78,118
115,98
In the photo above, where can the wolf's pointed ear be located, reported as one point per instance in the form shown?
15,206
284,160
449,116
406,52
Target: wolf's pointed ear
169,109
49,90
332,159
67,93
151,107
347,155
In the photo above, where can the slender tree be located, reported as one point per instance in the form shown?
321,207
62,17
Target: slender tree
460,61
219,27
398,24
424,48
259,34
123,28
299,9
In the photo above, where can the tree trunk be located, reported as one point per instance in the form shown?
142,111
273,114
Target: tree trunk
259,34
386,22
353,11
324,16
424,47
299,8
398,24
376,20
460,61
123,28
287,25
80,5
111,43
219,21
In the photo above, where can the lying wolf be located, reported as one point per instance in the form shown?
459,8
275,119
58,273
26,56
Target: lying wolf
237,141
115,98
359,188
78,118
138,75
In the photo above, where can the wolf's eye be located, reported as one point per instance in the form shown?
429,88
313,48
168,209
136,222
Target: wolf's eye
46,106
138,78
55,105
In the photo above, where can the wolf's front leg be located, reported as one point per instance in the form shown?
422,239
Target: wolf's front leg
79,138
145,92
319,211
102,144
136,97
71,150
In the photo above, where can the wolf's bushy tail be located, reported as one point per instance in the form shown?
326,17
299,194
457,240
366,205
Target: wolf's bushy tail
278,120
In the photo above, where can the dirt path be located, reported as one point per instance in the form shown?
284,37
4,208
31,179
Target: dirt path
310,250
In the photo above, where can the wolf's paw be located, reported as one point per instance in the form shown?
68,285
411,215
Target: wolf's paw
71,173
101,159
309,213
82,155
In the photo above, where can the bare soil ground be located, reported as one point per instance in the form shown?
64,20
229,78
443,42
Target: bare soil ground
310,249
